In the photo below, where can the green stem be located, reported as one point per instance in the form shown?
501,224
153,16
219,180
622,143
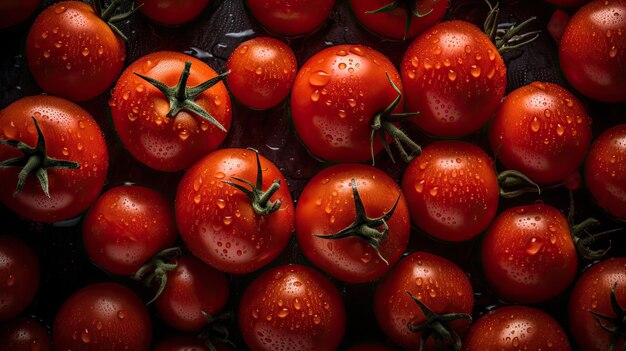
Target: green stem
156,270
506,37
409,6
616,325
514,183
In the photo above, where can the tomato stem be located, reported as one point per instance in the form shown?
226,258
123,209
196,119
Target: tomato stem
618,328
410,8
156,270
108,17
514,183
583,244
216,330
505,35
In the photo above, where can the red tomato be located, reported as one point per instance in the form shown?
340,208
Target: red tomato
72,52
229,229
14,12
438,284
292,307
605,171
262,71
19,276
188,343
24,334
126,226
164,131
68,137
171,12
591,305
516,328
398,21
528,254
568,3
541,130
592,52
451,190
103,316
377,224
290,17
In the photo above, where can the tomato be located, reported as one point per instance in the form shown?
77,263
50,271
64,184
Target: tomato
170,12
74,53
226,220
541,130
290,17
451,190
63,137
394,19
24,334
528,255
605,173
13,12
292,307
160,128
352,222
126,226
188,343
102,316
19,276
516,328
429,280
262,71
568,3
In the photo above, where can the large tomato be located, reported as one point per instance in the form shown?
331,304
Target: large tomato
13,12
19,276
290,17
171,12
24,334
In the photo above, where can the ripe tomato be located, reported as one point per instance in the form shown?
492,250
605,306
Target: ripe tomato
541,130
13,12
63,138
227,225
290,17
528,254
19,276
592,52
605,171
170,12
516,328
103,316
292,307
126,226
398,19
424,279
451,190
24,334
352,222
262,71
170,125
73,52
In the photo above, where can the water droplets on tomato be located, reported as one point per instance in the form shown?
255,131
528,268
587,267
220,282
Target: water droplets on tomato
319,78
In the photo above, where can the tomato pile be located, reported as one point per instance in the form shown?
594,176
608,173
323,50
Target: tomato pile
313,175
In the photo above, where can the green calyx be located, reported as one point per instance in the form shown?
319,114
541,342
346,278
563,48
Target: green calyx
216,331
506,36
35,160
108,14
514,183
617,324
411,9
437,326
363,226
156,270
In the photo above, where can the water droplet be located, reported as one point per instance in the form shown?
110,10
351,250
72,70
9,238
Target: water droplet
220,203
10,280
68,66
342,53
60,9
79,146
515,342
352,102
468,49
282,313
419,187
414,61
357,51
183,135
475,71
613,159
228,220
534,245
85,337
452,75
423,165
492,55
46,54
547,113
255,313
342,66
317,319
613,51
342,114
99,325
220,175
259,70
535,125
121,315
427,65
433,191
85,52
315,97
432,293
319,78
419,281
559,129
100,50
197,198
65,151
411,74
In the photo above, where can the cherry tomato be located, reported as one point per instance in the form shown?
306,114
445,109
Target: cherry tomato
188,343
13,12
126,226
541,130
568,3
64,137
516,328
375,223
528,254
451,190
102,316
433,281
164,131
605,173
229,220
72,52
592,52
290,17
19,276
292,307
171,12
262,71
24,334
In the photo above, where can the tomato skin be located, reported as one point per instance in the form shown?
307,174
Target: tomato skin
541,130
592,54
528,254
461,207
126,227
24,334
13,12
392,24
139,113
335,96
605,175
70,134
271,304
262,72
81,59
438,283
454,77
516,328
290,17
170,12
19,276
351,260
217,221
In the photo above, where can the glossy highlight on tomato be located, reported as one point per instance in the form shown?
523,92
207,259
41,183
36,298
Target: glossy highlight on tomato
24,334
19,276
170,12
290,17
